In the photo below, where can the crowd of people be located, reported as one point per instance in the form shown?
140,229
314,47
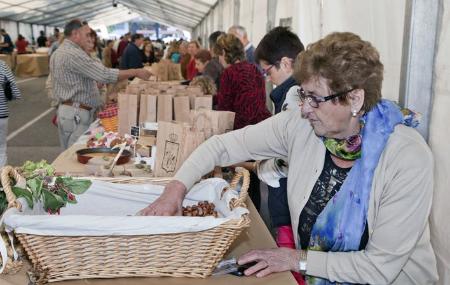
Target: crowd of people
350,181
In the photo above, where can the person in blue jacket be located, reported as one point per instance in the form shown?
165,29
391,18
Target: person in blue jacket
133,57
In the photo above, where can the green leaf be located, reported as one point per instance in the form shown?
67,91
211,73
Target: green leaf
61,193
20,192
61,179
35,185
77,186
3,202
52,202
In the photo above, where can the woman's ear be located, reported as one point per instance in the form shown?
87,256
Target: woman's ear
357,99
286,63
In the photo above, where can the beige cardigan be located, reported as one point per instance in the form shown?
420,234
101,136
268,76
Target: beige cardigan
398,250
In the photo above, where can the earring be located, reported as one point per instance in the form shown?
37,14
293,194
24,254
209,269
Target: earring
354,113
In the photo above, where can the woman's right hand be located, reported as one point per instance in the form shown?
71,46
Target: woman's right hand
169,203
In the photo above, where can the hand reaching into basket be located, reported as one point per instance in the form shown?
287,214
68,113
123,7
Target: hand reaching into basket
169,203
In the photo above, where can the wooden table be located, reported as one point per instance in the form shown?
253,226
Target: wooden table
257,236
31,65
67,164
7,58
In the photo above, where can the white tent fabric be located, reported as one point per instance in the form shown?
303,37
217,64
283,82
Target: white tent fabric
181,14
312,20
439,142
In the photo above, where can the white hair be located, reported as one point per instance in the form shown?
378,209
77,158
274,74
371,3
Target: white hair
239,30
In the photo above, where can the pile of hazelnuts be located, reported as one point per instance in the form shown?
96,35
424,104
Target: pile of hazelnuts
202,209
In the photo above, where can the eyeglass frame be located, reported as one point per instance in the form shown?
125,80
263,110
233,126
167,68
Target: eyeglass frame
315,98
265,72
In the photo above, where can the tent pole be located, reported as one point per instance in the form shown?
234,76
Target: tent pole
422,20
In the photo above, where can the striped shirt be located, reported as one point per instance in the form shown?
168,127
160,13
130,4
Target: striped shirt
75,75
6,75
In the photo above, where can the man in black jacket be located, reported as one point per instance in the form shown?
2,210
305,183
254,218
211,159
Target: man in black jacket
276,54
132,57
6,46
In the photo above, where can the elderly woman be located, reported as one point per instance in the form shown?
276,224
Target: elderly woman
202,58
360,182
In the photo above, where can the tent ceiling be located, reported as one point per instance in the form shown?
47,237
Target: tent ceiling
184,14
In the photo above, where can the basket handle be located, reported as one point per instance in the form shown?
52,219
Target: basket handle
243,195
6,173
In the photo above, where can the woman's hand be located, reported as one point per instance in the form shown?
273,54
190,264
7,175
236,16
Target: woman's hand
169,203
271,260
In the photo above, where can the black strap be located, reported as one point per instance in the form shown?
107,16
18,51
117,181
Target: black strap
7,89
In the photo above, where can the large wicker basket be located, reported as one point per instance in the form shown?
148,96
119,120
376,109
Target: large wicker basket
193,254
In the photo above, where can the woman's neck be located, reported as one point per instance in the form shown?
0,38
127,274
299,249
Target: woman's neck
342,163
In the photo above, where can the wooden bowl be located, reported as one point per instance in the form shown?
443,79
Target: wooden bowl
83,155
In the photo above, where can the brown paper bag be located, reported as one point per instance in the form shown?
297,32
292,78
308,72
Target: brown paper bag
133,115
193,92
165,108
222,122
192,140
174,71
204,102
201,120
133,89
122,100
162,70
170,143
181,108
147,110
128,112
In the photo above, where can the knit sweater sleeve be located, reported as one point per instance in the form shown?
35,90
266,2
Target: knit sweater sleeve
261,141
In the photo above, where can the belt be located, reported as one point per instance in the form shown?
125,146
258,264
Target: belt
82,106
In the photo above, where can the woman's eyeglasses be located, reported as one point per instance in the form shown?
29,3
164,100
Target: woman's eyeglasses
314,100
266,71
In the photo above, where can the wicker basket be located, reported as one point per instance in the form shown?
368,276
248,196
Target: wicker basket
193,254
110,124
109,118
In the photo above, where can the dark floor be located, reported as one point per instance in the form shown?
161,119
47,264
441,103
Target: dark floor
39,140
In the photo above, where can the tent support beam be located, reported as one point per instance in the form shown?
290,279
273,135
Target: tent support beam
422,20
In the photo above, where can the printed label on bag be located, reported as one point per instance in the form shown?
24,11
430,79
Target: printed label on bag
171,149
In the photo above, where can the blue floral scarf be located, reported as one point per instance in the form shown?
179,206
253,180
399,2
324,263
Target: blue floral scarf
342,222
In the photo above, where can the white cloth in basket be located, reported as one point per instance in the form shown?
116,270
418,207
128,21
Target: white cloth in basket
109,209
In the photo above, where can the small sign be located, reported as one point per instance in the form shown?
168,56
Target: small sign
135,131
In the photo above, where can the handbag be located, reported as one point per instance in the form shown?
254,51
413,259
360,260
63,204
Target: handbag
7,89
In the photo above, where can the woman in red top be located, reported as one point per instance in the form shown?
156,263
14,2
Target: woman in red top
242,88
21,45
191,71
242,91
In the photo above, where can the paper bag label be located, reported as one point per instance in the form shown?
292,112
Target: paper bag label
171,149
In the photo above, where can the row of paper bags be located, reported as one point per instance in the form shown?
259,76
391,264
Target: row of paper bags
138,109
175,141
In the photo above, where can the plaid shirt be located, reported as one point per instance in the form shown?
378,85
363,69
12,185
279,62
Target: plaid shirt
109,111
75,74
